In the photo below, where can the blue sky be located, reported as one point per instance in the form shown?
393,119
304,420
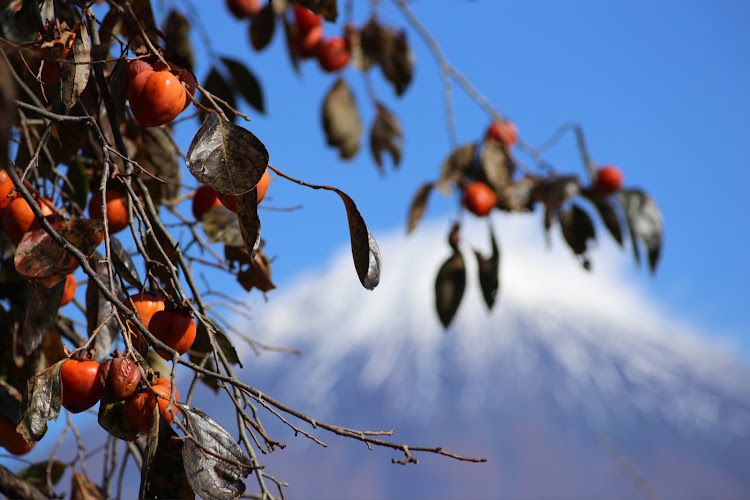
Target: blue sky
660,90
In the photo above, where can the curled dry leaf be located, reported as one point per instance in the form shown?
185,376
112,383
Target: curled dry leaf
418,206
555,191
257,275
42,304
385,135
214,463
226,157
41,403
341,120
99,309
217,86
222,225
75,77
249,220
177,35
577,229
607,212
459,161
496,170
163,472
397,60
644,222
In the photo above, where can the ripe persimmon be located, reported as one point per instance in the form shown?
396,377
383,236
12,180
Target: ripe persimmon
11,439
174,329
145,305
505,132
308,42
158,96
204,199
117,209
69,291
306,19
80,385
242,9
6,186
139,408
119,377
333,54
18,218
230,200
608,179
479,198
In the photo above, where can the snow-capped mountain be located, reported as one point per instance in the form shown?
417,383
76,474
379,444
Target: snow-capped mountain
577,385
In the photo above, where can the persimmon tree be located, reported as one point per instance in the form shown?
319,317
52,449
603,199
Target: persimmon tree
90,167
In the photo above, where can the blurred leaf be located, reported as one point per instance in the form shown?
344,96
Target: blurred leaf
219,87
226,157
209,475
418,206
262,27
489,272
78,177
554,191
75,77
341,121
577,229
397,60
202,343
7,109
222,225
10,401
36,474
644,222
290,31
459,161
39,257
246,83
41,402
247,204
365,250
177,35
370,41
42,304
112,419
326,8
156,154
163,470
607,212
497,169
257,275
450,284
124,265
99,309
519,196
385,135
84,488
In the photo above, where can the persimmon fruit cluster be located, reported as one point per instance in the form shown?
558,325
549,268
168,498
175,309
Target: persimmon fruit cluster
139,408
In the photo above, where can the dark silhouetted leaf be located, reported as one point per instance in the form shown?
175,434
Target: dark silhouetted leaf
39,257
84,488
42,304
36,474
156,154
489,272
209,475
226,157
497,170
222,225
290,31
41,403
450,284
112,419
247,204
7,109
75,77
177,35
370,40
385,135
577,229
459,161
418,206
607,212
163,471
202,343
99,309
341,120
519,196
245,83
644,222
219,87
262,27
124,264
554,191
